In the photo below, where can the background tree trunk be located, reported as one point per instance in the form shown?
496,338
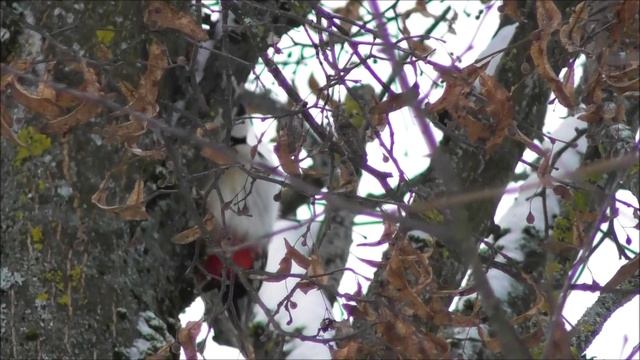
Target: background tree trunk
85,284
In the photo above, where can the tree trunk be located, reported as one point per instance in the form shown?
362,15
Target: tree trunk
78,281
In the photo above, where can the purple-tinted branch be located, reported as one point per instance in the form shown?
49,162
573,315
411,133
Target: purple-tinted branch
282,81
352,44
634,352
396,67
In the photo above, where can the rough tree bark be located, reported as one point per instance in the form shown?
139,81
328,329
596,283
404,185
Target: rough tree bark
78,282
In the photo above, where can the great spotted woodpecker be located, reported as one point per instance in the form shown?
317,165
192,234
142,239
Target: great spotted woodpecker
245,213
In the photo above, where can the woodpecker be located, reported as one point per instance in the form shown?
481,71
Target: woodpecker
245,213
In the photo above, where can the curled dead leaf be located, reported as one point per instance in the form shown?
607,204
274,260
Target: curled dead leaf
147,90
127,90
289,161
161,15
153,154
218,155
192,234
43,106
316,90
7,123
549,20
626,25
458,85
544,171
187,337
510,8
87,110
18,65
490,343
126,132
571,34
418,47
133,209
347,178
397,101
350,350
351,12
405,261
296,256
499,107
548,16
316,268
283,271
624,81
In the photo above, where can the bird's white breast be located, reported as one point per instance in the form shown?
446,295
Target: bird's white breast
237,187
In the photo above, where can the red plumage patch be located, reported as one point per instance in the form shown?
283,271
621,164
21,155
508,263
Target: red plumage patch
243,258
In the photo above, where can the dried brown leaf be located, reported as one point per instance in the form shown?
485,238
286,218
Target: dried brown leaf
351,11
350,350
568,81
592,115
571,34
563,192
626,25
475,129
126,132
103,53
284,267
549,19
316,268
133,209
510,8
296,256
7,123
624,81
153,154
147,91
18,65
499,108
187,337
490,343
419,48
289,161
217,155
347,177
193,233
548,16
43,106
127,90
305,286
397,101
421,8
167,352
316,90
544,171
45,91
395,274
458,85
161,15
540,59
84,112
